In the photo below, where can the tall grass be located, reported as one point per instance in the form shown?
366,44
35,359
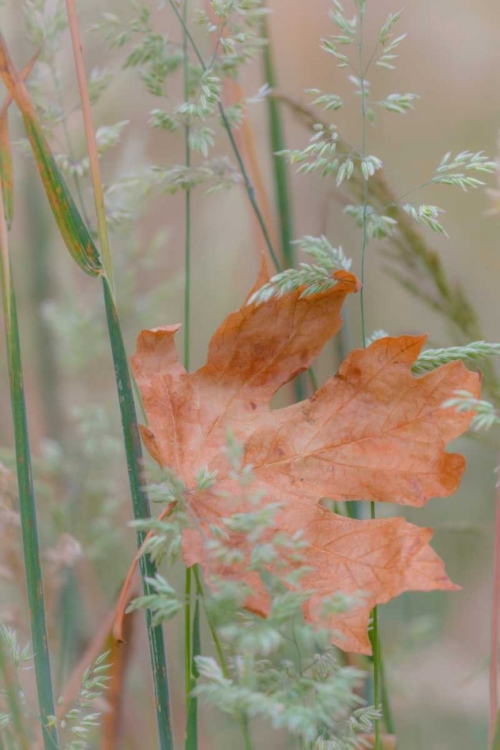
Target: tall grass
131,436
81,247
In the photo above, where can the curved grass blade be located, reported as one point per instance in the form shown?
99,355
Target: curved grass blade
71,225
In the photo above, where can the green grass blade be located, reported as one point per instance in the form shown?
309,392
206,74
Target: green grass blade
27,507
140,504
280,174
277,141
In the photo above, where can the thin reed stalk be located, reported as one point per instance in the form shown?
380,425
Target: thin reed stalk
140,503
192,710
27,505
191,630
277,142
377,656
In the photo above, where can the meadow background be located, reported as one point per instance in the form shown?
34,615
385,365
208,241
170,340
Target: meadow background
436,645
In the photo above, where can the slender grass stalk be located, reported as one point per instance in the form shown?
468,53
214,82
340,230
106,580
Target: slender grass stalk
362,73
280,174
277,141
495,618
246,179
187,195
140,503
384,694
27,506
132,441
191,637
192,712
187,636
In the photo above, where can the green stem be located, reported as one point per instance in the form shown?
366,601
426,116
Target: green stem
187,218
246,179
384,694
192,714
191,637
140,504
280,170
280,174
362,73
27,506
187,637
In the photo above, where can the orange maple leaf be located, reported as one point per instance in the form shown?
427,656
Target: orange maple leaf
371,432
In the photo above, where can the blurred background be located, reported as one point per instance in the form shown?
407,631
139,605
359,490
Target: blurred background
436,645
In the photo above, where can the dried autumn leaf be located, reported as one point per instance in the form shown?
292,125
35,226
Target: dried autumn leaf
372,432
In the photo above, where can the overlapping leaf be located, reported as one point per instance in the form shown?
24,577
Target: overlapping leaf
372,432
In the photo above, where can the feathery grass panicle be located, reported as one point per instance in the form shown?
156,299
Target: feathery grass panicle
476,351
486,414
412,262
314,277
